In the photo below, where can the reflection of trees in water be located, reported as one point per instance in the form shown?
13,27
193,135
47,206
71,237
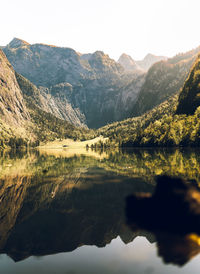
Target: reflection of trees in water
172,214
150,162
62,209
177,249
145,163
56,204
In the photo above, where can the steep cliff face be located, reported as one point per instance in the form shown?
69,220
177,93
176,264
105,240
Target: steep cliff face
127,98
189,98
81,88
27,115
14,116
52,100
163,79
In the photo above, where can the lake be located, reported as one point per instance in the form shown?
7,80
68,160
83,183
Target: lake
63,211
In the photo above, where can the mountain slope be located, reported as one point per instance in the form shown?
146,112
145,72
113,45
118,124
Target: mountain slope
12,107
189,98
133,128
143,65
14,116
93,89
89,84
163,79
45,125
173,123
128,63
57,105
149,60
23,117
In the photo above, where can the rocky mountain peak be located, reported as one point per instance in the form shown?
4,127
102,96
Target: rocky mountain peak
16,43
128,63
149,60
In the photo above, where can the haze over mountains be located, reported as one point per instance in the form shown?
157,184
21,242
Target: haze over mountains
89,83
89,89
130,65
86,90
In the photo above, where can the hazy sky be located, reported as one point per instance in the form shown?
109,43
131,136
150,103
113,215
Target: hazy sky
162,27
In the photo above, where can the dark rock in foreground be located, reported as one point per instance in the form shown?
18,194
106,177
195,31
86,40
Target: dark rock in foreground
174,206
172,214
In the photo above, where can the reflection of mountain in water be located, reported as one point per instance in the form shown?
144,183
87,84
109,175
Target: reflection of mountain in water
55,213
52,204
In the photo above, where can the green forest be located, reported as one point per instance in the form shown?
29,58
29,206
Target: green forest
173,123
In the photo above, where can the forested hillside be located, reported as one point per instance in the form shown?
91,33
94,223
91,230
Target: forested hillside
164,79
158,127
173,123
189,98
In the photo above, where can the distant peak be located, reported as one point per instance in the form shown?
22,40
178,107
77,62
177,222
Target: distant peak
128,63
151,56
98,53
16,43
125,56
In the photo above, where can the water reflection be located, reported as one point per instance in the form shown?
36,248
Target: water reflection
56,202
172,214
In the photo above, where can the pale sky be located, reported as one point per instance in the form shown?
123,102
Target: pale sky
135,27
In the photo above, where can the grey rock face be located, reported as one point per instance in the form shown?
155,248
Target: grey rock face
128,63
81,88
93,89
52,100
12,107
149,60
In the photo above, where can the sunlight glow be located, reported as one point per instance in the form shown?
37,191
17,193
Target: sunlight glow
114,26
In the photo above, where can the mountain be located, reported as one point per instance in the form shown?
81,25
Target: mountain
159,127
16,43
143,65
128,63
149,60
189,98
12,107
26,116
92,89
57,105
163,79
57,211
14,113
127,97
89,84
174,122
131,131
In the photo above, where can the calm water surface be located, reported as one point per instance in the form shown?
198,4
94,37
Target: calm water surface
64,212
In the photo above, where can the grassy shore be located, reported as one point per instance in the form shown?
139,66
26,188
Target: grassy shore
69,143
69,148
